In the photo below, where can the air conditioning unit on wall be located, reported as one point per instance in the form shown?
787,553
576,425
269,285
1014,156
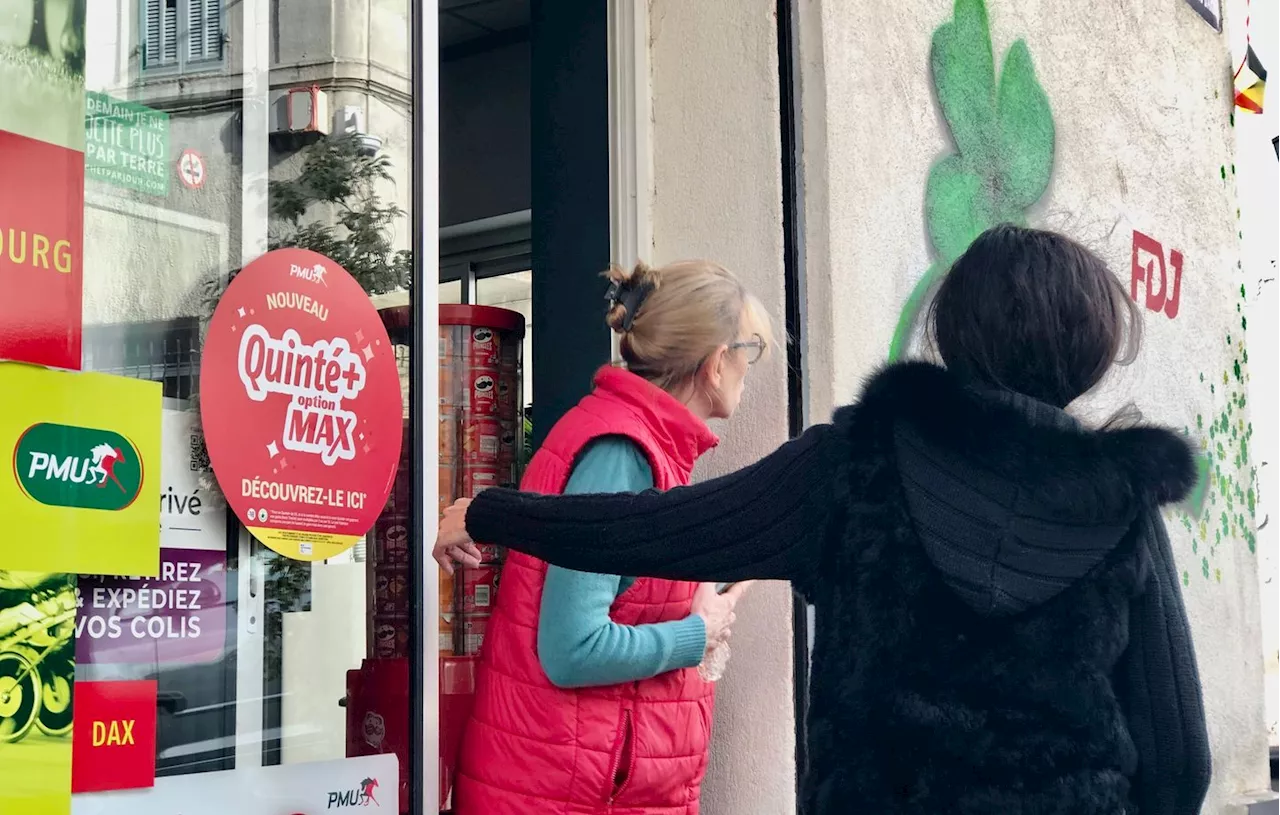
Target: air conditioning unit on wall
349,121
299,116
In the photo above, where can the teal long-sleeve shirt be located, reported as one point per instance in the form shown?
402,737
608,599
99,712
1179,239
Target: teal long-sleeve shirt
578,644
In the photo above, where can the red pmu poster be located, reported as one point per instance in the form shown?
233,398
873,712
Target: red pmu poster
41,237
300,402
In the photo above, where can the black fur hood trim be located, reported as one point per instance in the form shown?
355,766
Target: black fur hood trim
1063,467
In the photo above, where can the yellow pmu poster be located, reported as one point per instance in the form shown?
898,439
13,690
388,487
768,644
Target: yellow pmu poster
79,469
37,677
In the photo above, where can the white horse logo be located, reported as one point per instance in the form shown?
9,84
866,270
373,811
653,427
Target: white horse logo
104,461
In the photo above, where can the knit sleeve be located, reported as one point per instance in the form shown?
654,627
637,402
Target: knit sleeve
1159,686
767,521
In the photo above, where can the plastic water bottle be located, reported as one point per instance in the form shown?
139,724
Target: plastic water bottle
713,665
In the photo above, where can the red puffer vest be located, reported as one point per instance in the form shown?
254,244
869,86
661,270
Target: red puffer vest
638,748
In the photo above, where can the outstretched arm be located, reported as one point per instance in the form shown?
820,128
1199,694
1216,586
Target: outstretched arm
767,521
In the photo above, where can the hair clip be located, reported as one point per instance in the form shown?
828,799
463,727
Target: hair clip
633,298
629,297
611,296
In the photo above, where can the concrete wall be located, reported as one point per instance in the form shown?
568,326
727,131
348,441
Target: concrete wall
717,194
1259,193
1140,98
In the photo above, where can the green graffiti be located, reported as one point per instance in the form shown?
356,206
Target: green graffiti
1004,145
1227,478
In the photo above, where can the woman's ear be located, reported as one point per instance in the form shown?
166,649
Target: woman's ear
712,370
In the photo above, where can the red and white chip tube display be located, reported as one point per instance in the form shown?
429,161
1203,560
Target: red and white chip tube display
481,434
481,422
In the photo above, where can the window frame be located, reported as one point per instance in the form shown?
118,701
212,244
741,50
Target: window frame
470,254
183,62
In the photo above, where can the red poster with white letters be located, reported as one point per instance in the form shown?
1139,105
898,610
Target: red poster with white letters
300,402
41,238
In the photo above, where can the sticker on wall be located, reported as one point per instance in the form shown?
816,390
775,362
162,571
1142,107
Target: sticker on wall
41,235
356,785
80,455
126,144
1210,10
300,403
37,678
115,736
191,169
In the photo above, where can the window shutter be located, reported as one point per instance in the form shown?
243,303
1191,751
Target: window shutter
195,29
213,29
178,33
169,34
151,55
204,26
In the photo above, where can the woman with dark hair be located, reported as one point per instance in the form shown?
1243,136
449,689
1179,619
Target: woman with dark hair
1000,625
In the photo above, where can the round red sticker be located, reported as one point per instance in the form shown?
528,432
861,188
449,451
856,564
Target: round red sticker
300,401
191,169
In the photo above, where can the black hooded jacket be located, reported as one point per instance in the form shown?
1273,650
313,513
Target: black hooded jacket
1000,628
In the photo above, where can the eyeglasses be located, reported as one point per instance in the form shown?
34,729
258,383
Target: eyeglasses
754,347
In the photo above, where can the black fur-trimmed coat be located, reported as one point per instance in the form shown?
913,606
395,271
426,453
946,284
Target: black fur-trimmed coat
1000,629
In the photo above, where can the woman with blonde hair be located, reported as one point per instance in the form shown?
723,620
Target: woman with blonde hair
595,690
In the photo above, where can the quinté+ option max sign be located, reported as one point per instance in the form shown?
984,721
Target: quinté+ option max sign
301,404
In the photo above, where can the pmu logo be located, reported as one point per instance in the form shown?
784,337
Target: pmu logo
66,466
315,274
360,797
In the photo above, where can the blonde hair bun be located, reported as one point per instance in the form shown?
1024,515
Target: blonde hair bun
683,311
627,280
